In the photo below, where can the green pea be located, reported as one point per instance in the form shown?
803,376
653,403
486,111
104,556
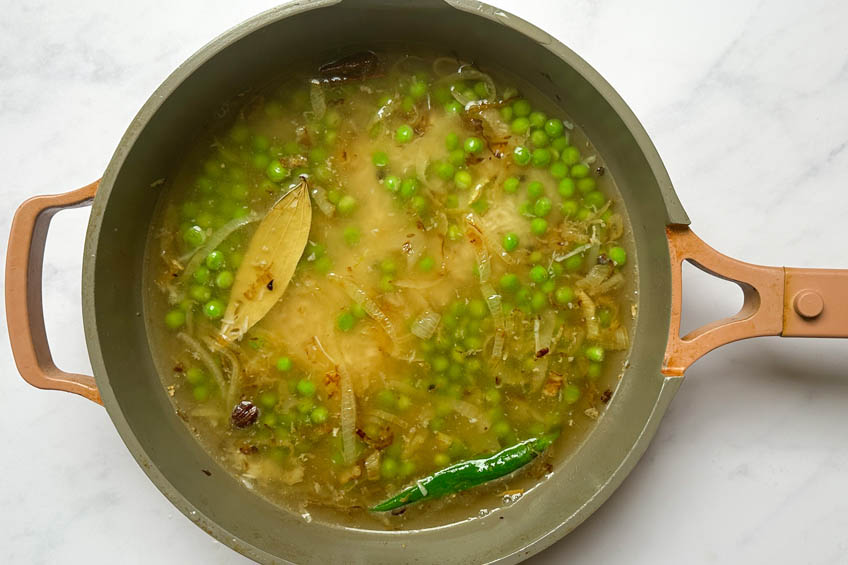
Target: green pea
418,89
542,207
215,260
539,226
506,113
519,126
554,127
386,399
200,393
284,364
462,180
510,185
558,170
571,394
595,353
224,279
510,242
536,257
346,205
213,309
538,301
541,157
440,364
392,183
585,185
583,214
261,160
594,199
604,317
473,145
617,255
453,107
501,428
276,172
451,141
570,155
594,370
539,138
478,309
175,319
426,264
579,171
408,188
319,415
317,155
457,157
194,236
573,263
380,159
195,375
537,119
388,266
351,235
569,208
404,403
538,274
305,388
444,170
451,201
269,419
564,295
419,204
200,293
521,107
345,321
509,282
521,155
404,134
535,189
566,188
557,269
358,311
268,399
201,275
389,468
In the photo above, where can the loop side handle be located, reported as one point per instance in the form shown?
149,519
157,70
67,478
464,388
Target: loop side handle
761,313
24,309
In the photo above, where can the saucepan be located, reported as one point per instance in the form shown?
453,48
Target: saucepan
777,300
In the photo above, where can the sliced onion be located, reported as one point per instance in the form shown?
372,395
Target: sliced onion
615,227
202,354
426,324
348,416
324,351
444,66
372,466
493,301
611,283
486,233
235,367
361,297
576,251
319,196
481,251
587,307
471,413
593,279
316,96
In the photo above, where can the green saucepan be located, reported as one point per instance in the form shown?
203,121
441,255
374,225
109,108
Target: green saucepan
778,301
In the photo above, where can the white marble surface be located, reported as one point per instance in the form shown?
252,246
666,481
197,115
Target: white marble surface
746,102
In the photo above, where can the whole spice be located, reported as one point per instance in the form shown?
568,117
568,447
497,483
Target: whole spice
245,414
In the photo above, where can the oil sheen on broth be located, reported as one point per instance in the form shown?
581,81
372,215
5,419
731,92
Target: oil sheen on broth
465,286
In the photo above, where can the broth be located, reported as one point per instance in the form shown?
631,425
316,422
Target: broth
464,287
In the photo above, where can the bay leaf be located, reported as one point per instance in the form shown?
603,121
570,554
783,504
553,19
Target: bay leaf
269,262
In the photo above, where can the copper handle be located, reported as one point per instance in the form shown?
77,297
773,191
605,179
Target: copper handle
24,310
777,301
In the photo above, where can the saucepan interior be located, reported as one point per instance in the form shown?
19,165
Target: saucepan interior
118,231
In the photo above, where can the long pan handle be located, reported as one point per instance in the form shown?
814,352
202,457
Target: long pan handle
777,301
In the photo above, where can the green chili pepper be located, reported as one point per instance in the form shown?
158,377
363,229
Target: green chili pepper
468,474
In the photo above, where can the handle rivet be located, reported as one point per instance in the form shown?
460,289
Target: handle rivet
808,304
